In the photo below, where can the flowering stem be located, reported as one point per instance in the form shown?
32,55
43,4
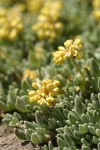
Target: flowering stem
81,73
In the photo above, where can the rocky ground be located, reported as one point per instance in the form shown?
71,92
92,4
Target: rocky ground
8,140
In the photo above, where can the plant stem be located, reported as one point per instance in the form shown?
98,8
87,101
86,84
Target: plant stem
76,65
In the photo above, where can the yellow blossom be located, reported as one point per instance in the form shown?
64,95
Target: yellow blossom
96,4
45,93
72,48
3,53
38,51
59,56
10,22
30,74
51,9
97,14
48,24
96,9
35,85
34,5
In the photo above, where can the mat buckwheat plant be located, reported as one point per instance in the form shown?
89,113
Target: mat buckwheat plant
50,73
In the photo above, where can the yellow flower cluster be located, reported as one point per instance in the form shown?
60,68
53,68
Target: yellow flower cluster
30,74
3,53
96,12
48,25
39,51
34,5
29,5
45,93
72,48
10,22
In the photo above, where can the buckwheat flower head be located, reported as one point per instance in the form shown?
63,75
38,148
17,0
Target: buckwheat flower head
45,93
35,5
10,22
3,53
96,14
96,9
52,9
48,24
96,4
71,48
30,74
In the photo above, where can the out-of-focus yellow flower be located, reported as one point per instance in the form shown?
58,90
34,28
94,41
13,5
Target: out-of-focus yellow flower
96,14
72,48
30,74
52,9
10,22
96,4
96,9
3,53
35,5
45,93
39,51
48,25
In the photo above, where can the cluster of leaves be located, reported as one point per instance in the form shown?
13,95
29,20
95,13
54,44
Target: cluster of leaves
73,123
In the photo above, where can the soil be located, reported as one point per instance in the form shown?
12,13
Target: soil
8,140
